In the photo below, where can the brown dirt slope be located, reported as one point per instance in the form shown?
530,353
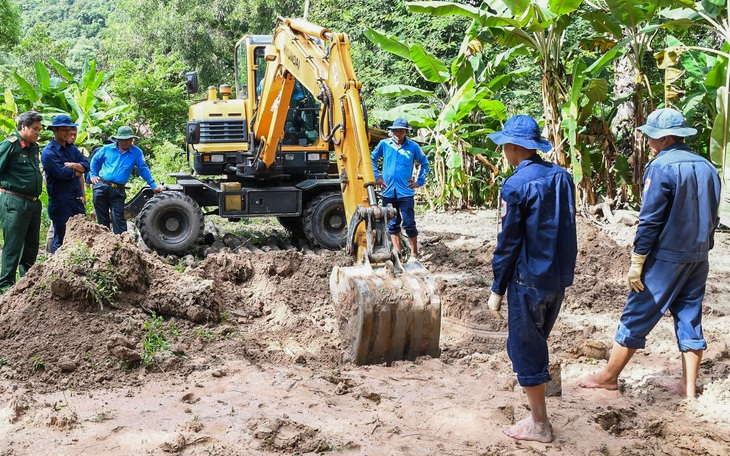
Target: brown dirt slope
106,349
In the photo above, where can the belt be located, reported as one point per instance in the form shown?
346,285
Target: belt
113,184
19,195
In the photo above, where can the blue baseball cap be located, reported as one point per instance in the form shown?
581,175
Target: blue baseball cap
523,131
62,120
666,122
400,124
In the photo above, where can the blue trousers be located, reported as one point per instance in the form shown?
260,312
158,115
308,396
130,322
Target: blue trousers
532,313
677,287
108,199
59,211
405,216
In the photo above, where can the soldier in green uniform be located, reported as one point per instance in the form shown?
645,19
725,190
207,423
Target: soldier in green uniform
21,183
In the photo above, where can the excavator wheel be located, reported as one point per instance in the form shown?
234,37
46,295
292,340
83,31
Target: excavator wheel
325,223
171,223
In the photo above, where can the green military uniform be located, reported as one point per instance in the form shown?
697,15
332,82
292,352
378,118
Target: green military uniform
20,208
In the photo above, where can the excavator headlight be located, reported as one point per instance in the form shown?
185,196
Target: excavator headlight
315,156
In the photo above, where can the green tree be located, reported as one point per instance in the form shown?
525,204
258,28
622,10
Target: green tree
203,37
375,67
9,25
156,92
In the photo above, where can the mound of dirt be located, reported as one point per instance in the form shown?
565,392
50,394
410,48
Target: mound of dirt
107,345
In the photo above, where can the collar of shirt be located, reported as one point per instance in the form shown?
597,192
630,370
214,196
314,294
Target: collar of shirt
55,145
672,148
396,145
534,158
131,149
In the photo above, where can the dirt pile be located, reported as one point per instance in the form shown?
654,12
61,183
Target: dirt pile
109,346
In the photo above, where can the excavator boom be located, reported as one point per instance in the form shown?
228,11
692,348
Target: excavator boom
388,312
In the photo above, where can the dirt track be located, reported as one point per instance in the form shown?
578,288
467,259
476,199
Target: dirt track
253,362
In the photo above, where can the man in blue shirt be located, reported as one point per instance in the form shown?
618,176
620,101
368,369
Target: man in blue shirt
669,264
63,165
111,168
533,262
399,154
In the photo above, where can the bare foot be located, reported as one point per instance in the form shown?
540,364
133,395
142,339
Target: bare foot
528,430
599,380
681,389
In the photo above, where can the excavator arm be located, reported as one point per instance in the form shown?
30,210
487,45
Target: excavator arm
320,60
388,311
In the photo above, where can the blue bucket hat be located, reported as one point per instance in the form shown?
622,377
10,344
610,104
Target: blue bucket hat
523,131
666,122
400,124
62,121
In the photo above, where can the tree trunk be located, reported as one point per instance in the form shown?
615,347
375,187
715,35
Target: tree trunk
551,101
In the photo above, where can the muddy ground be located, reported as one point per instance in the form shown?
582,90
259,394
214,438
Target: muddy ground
108,349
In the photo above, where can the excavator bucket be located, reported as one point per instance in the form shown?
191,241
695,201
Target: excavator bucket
387,313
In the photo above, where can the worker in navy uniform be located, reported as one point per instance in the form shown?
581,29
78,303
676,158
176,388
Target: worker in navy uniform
111,168
669,263
533,262
21,183
63,165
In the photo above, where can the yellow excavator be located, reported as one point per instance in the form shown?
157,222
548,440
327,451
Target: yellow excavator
272,150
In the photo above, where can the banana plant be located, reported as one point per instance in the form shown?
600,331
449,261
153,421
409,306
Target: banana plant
85,100
454,116
8,111
627,29
537,28
713,16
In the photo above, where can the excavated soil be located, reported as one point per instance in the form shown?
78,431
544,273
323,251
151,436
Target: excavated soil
106,348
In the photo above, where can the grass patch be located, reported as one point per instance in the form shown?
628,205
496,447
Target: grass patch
38,364
157,339
79,255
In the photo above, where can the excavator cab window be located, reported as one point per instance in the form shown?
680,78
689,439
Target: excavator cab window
259,69
241,73
302,120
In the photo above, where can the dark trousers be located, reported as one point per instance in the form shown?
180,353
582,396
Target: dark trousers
59,211
677,287
405,215
532,313
108,199
21,220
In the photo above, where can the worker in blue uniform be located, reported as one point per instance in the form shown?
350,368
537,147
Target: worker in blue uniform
111,168
533,262
63,165
669,263
399,156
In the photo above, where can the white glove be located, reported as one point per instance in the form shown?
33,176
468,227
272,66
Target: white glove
495,301
634,276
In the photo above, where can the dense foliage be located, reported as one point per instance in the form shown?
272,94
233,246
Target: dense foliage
590,71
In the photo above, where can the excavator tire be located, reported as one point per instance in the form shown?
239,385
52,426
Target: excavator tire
325,224
171,223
